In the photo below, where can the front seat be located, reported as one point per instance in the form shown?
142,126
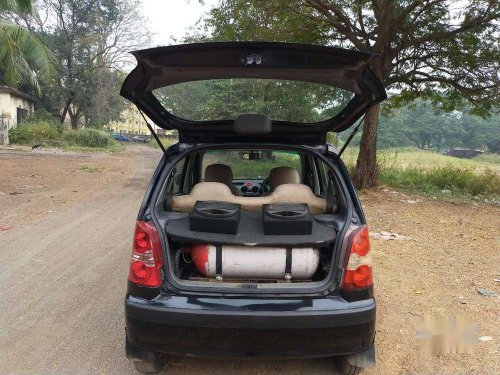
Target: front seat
221,173
283,175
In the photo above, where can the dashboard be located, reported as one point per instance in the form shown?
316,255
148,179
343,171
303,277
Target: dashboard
249,187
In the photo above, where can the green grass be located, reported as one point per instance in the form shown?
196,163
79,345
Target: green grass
444,181
91,168
50,134
427,172
413,157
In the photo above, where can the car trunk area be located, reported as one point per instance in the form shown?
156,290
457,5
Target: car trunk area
282,241
250,259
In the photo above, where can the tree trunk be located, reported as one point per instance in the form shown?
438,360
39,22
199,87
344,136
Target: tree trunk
366,172
74,116
74,121
65,110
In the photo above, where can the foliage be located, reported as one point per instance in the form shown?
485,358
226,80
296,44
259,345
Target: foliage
166,142
105,104
17,6
333,139
425,48
409,157
425,127
414,170
39,133
50,133
225,99
91,168
23,55
88,138
439,50
462,182
91,40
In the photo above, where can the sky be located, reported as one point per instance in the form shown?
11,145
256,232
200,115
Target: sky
171,19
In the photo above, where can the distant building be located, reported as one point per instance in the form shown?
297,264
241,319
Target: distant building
131,122
15,106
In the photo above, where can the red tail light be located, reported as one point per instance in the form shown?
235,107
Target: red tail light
358,274
147,258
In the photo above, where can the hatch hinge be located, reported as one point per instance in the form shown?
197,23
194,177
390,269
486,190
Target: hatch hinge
153,133
351,136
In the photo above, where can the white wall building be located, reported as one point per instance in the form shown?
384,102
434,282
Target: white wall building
14,107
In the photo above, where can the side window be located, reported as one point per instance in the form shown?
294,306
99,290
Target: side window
322,171
176,178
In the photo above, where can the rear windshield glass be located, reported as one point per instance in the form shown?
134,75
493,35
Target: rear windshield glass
252,164
225,99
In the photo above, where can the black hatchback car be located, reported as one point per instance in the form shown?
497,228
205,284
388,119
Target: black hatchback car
251,240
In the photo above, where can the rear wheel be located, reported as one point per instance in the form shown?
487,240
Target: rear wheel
345,368
148,367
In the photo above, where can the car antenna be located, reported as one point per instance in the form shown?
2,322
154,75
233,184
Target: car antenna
351,136
153,133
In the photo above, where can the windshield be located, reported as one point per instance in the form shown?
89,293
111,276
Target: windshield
225,99
252,164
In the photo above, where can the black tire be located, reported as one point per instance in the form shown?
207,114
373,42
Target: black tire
147,367
345,368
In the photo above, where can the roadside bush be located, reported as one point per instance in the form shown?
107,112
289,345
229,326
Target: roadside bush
49,133
42,132
88,138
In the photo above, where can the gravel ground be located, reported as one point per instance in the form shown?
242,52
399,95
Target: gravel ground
64,264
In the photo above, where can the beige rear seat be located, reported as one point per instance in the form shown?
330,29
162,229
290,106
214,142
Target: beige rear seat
221,173
283,175
215,191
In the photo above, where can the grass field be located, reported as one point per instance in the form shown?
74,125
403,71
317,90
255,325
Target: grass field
406,169
413,157
430,173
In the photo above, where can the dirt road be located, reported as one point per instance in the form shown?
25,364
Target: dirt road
64,265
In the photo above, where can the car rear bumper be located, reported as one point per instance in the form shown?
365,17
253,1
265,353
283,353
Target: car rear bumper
284,328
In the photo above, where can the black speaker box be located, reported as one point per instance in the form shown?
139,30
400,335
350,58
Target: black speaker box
215,217
286,218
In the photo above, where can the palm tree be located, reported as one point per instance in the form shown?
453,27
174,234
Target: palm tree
23,55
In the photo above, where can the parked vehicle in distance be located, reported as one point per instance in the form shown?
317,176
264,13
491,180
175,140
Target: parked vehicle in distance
251,240
141,138
120,137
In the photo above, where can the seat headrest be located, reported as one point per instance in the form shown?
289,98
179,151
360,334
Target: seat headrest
283,175
216,191
219,173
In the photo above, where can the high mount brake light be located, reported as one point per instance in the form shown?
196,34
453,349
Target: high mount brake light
358,274
147,259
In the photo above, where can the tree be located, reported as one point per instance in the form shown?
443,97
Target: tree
91,39
422,126
223,99
23,55
444,51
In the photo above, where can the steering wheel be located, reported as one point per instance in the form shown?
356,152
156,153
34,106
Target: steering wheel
264,185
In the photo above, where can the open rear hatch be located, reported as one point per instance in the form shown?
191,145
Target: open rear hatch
326,88
263,96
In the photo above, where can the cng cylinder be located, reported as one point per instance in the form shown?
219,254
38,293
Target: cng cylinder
248,262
